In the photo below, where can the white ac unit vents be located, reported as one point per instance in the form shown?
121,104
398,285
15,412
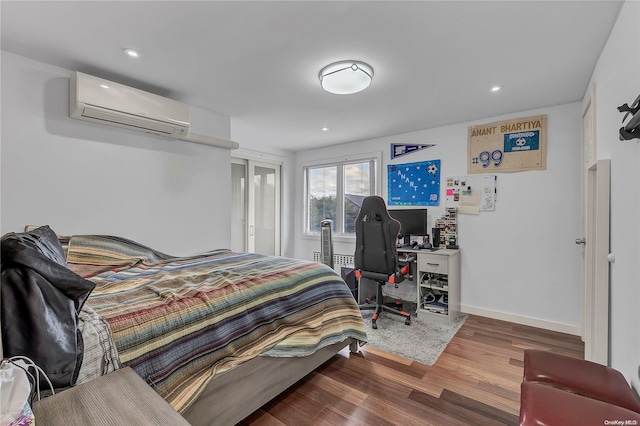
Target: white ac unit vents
113,104
101,101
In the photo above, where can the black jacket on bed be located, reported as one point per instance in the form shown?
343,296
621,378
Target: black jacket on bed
40,299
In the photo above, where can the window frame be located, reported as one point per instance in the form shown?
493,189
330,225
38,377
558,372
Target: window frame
375,160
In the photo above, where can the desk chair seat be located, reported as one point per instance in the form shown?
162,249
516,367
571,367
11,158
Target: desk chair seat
376,257
378,306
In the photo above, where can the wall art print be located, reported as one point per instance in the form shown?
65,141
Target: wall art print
508,146
414,184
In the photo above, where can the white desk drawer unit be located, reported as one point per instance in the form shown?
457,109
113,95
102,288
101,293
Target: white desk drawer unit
433,263
438,285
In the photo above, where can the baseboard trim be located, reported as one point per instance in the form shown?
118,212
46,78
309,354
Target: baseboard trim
519,319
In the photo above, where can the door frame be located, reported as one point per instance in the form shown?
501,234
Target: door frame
595,177
597,263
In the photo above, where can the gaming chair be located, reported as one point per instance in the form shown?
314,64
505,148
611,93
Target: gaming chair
376,257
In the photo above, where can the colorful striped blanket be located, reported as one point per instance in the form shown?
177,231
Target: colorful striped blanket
180,321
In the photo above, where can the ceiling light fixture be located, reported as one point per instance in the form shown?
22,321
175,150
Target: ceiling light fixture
496,88
325,129
346,77
132,53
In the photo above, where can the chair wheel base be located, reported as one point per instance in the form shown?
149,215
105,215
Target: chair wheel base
407,321
374,325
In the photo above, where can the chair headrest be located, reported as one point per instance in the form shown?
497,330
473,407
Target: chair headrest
376,205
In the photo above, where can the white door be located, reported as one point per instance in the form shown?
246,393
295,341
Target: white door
239,205
256,207
595,187
264,208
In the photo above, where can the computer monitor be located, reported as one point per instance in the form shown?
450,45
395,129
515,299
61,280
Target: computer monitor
413,221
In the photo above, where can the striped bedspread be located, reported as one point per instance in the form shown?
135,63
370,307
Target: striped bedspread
179,321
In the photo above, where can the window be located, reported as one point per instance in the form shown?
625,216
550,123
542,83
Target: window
335,191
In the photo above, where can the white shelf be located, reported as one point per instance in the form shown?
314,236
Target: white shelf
437,267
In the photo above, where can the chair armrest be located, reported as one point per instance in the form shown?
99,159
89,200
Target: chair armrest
394,279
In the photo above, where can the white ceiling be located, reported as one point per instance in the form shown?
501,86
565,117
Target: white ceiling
258,62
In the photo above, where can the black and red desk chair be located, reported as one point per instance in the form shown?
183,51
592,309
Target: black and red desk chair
376,257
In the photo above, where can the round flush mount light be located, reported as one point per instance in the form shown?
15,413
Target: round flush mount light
132,53
346,77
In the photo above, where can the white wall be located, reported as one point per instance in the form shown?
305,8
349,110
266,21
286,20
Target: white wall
617,79
520,262
288,211
85,178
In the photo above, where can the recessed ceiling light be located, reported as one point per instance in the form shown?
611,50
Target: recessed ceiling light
496,88
104,86
132,53
325,129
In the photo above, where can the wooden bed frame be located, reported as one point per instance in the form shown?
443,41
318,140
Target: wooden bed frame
236,394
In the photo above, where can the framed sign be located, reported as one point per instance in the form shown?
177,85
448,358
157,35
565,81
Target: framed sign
508,146
414,184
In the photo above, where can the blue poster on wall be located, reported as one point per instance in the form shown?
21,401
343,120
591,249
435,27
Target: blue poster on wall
414,184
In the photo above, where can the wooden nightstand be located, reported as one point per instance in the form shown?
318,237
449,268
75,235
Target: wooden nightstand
119,398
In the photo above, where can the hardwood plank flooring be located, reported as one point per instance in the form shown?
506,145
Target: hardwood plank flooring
476,381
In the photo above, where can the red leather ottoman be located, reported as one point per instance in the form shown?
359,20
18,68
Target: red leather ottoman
544,405
579,376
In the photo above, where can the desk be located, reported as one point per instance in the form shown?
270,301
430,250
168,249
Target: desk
436,274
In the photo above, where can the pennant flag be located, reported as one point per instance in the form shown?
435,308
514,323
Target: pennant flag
398,149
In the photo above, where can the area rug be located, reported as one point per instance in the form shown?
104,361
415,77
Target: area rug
423,341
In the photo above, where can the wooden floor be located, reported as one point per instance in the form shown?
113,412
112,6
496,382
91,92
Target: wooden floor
476,381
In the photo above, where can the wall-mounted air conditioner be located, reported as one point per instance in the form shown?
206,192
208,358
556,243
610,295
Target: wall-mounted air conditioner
102,101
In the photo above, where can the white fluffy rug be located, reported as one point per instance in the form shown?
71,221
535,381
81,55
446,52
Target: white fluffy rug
422,341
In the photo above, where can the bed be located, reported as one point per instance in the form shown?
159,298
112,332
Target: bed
217,334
